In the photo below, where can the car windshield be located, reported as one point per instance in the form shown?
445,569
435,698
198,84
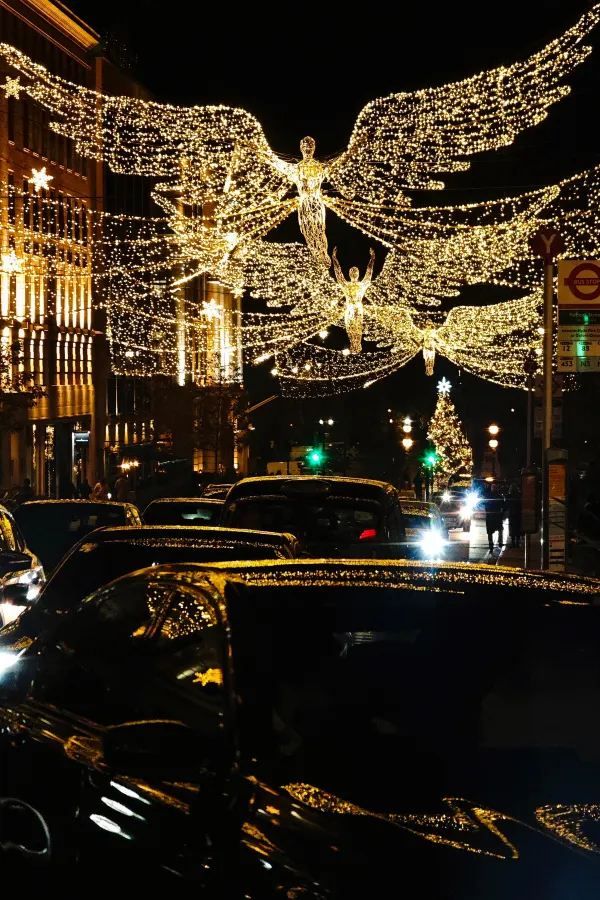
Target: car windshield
50,530
325,520
95,563
402,691
414,521
183,513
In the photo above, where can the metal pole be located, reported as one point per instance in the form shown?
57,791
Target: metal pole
547,441
528,460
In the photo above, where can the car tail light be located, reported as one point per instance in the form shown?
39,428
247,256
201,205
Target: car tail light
368,534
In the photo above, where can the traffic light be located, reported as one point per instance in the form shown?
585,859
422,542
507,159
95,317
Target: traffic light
431,459
314,458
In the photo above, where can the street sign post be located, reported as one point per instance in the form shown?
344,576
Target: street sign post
548,243
556,476
578,339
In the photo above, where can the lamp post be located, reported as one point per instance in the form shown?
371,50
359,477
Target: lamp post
493,443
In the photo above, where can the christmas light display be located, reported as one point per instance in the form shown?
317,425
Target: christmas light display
354,291
489,341
222,189
453,450
220,155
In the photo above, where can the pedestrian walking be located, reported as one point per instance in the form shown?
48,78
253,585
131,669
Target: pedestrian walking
495,509
85,489
121,489
514,515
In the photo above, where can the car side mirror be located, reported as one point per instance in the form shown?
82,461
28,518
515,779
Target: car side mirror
159,747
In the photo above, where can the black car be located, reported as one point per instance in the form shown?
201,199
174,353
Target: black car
21,573
108,553
331,516
314,729
218,490
52,527
184,511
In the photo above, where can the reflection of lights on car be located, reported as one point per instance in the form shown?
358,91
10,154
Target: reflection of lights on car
432,544
446,497
8,659
33,579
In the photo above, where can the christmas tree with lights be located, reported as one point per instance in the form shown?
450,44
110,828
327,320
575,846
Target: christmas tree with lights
445,431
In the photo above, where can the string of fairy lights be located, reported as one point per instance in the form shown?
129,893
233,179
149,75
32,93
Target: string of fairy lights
171,285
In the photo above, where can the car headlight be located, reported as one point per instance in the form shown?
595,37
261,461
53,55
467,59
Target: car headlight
470,505
432,544
446,497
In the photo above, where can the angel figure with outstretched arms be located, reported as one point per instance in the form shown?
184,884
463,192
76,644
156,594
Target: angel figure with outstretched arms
354,289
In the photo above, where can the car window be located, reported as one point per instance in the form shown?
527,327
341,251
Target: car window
323,520
190,654
95,563
182,514
391,673
133,516
92,667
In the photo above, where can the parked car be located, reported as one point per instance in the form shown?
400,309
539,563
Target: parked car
218,491
108,553
21,573
184,511
331,516
51,527
312,729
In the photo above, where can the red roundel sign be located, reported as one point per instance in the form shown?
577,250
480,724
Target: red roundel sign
583,281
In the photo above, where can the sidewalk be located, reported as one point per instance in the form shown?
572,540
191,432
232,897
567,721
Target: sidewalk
505,555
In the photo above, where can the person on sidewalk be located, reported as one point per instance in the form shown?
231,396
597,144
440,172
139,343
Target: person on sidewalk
121,488
514,515
100,491
495,509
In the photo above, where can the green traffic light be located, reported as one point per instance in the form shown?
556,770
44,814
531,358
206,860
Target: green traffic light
431,460
315,458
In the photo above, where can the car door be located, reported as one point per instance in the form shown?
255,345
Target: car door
116,664
185,680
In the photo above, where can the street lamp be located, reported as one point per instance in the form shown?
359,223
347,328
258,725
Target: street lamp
493,444
407,443
494,430
330,421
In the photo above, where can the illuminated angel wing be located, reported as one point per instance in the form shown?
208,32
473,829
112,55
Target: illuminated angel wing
402,140
288,277
465,243
493,341
206,154
307,370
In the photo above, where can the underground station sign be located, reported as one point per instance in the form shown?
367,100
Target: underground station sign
578,341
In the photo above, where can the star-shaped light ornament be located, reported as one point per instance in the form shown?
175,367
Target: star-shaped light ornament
444,386
40,179
12,87
211,310
11,264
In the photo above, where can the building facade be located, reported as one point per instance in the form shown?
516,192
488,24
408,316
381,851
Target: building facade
48,324
97,415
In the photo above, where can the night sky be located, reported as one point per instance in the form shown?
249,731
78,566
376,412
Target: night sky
310,68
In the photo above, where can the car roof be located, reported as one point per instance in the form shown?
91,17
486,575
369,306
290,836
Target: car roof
191,533
457,577
267,480
79,502
210,500
418,506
